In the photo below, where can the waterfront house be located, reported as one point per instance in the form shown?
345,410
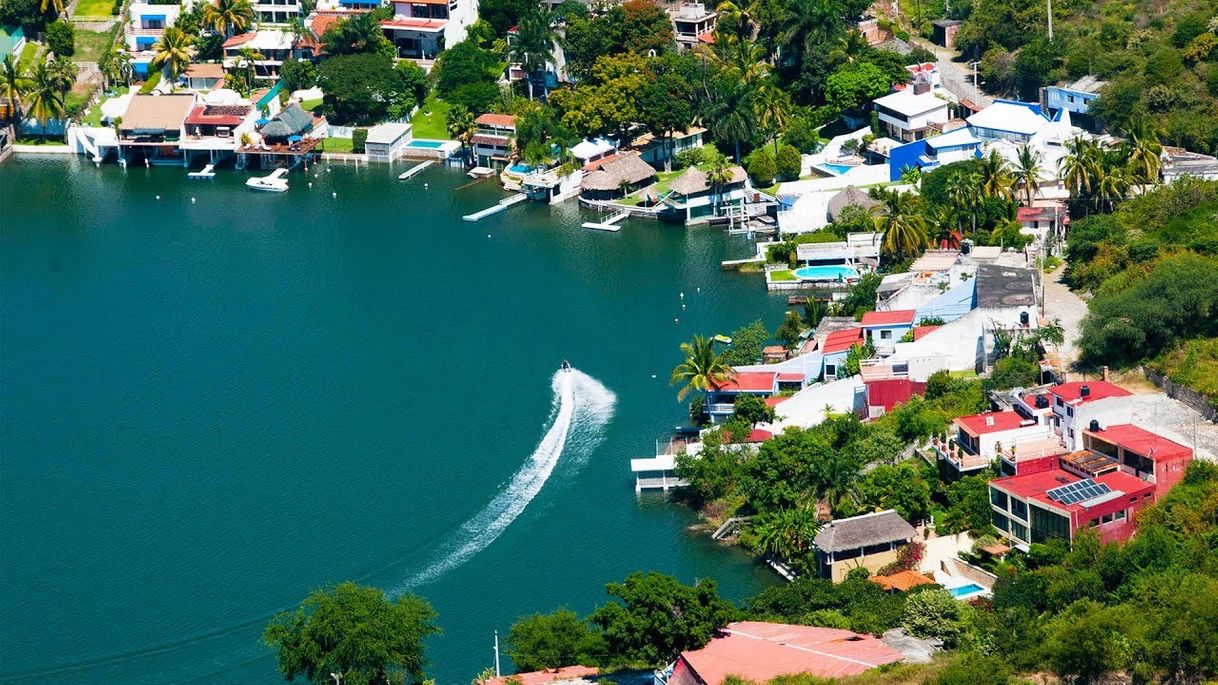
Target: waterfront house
721,400
885,329
693,199
850,196
693,24
869,541
567,675
658,150
204,76
153,127
758,652
214,126
977,440
387,141
587,151
857,248
910,114
614,177
278,11
145,25
492,140
420,29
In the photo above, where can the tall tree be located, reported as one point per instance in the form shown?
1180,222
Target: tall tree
172,52
787,533
533,47
657,617
548,641
731,115
702,369
1143,150
996,179
459,122
13,86
665,107
902,224
1027,171
52,8
352,635
229,16
44,99
773,107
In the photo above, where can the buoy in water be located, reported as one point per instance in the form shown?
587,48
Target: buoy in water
682,295
310,184
192,200
333,194
158,197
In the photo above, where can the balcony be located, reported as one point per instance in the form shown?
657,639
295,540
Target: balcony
145,31
955,454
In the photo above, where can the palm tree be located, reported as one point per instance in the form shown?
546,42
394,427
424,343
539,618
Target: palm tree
808,21
460,123
1143,150
229,16
718,173
996,179
1027,170
903,227
787,533
965,194
172,52
703,368
248,59
1077,168
63,73
773,111
735,23
47,5
45,100
849,47
732,116
1111,183
742,59
13,86
533,47
123,66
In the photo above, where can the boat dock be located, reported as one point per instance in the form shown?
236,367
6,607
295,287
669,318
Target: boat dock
208,171
609,224
496,208
410,173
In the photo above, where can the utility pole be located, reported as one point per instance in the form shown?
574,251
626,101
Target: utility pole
496,653
976,93
1050,2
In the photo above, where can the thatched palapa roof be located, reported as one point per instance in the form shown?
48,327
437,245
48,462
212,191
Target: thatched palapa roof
623,170
290,122
600,180
851,195
694,180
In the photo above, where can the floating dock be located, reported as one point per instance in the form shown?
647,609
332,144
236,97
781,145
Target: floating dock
496,208
609,224
410,173
480,172
208,171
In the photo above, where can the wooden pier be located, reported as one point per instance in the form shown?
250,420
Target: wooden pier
496,208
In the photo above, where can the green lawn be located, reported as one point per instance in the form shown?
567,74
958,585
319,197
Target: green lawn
93,8
337,145
28,56
35,140
431,119
782,275
310,105
90,45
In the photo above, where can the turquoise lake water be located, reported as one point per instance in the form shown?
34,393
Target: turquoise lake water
209,408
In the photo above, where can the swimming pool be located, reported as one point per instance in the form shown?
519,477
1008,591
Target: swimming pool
826,273
836,169
966,590
519,168
429,144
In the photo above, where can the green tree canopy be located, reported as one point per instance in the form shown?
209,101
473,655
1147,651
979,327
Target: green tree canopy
367,88
657,617
547,641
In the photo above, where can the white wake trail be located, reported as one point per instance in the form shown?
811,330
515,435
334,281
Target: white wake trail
581,409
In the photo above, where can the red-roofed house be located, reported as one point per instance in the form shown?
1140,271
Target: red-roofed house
922,331
885,329
1035,507
979,439
721,401
759,652
1147,455
884,394
493,139
420,29
835,347
1065,406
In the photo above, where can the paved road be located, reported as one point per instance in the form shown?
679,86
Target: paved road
1069,309
957,77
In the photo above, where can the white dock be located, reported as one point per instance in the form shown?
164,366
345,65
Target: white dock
609,224
498,207
410,173
208,171
480,172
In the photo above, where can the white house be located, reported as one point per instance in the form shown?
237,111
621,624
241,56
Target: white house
277,11
693,24
493,138
1069,407
386,141
422,28
909,114
145,26
273,46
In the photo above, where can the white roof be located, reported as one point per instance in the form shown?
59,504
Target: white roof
906,103
222,96
1012,117
588,149
270,40
385,134
115,107
960,136
663,462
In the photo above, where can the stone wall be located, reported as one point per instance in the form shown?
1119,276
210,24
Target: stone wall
1182,393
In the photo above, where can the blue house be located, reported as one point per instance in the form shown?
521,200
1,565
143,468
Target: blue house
930,153
1075,97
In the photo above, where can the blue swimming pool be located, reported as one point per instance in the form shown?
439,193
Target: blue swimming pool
430,144
826,273
835,169
966,590
519,168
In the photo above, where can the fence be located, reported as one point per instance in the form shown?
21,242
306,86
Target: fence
1182,393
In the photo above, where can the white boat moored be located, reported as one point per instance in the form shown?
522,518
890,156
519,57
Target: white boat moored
275,182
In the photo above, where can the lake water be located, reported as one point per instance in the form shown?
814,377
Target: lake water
210,407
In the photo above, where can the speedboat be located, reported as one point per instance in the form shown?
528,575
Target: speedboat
565,366
275,182
722,339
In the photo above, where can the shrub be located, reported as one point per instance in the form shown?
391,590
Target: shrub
788,163
154,77
359,137
762,169
61,38
935,613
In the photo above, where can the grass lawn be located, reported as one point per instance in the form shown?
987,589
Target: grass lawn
90,45
28,55
431,119
1193,363
35,140
782,275
337,145
966,373
310,105
93,8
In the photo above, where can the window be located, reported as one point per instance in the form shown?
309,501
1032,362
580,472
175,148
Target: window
1106,518
1094,523
1047,524
885,335
830,370
1059,402
1019,508
998,498
1120,515
1019,530
1071,433
1069,411
1000,522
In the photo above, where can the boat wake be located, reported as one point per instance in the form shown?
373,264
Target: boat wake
581,408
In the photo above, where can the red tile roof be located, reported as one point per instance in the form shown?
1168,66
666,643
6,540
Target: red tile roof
1033,486
204,70
889,318
790,378
923,331
749,381
322,23
1070,392
776,400
707,37
1142,441
901,580
840,341
759,652
598,163
541,677
498,120
239,39
991,422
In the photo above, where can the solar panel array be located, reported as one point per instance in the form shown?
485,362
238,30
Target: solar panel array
1078,492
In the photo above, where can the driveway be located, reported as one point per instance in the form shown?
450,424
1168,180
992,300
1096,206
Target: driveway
1063,304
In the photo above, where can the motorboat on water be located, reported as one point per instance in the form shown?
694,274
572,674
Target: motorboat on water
275,182
723,339
565,366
